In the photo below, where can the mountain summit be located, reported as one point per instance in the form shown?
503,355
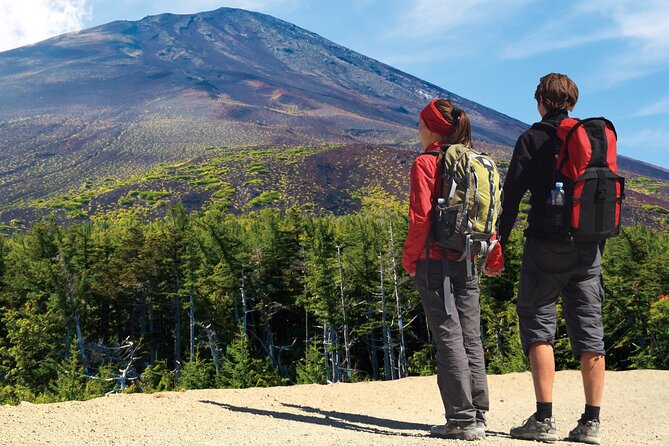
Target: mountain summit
118,98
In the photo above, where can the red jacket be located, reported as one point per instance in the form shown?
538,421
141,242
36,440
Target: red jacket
423,180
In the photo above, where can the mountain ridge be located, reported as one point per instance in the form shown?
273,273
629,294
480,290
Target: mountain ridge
116,100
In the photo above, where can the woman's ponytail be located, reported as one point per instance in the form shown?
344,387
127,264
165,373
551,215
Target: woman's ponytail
462,132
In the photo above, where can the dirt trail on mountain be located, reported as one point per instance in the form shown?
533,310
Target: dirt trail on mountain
635,412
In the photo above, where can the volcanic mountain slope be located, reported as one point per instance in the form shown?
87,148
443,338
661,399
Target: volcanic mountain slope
227,108
335,178
117,99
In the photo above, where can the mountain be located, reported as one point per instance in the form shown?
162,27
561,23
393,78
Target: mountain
228,108
117,99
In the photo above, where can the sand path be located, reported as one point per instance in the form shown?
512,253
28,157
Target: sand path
635,412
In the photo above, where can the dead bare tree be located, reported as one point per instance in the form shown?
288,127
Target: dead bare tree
388,360
71,284
213,344
244,309
191,312
125,354
347,346
402,361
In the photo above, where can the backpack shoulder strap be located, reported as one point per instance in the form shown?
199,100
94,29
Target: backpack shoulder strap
599,118
545,125
580,123
440,168
564,143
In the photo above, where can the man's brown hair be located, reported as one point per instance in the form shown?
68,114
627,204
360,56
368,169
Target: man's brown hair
556,92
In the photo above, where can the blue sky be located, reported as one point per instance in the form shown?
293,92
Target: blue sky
489,51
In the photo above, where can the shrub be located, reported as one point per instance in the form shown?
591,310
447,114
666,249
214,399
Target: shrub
71,381
15,394
265,198
240,370
421,363
311,368
157,378
197,374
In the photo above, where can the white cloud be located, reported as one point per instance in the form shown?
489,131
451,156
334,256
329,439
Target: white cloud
23,22
649,145
639,28
422,31
551,37
651,140
659,107
645,26
645,22
445,19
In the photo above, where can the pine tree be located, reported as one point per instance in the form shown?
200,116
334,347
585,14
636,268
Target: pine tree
35,316
127,277
71,381
197,374
635,276
241,370
311,368
422,362
658,323
499,320
157,377
321,297
103,382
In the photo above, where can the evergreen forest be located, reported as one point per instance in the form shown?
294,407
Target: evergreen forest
211,299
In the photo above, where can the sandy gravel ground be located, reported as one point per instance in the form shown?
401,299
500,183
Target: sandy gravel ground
635,412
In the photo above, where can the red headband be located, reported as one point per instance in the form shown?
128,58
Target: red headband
434,121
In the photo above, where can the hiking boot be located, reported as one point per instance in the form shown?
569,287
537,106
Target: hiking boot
480,430
454,431
533,429
586,432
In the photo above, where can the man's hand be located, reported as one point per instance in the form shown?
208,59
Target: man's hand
494,262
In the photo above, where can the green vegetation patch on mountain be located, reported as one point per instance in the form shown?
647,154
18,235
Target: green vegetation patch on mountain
237,180
314,178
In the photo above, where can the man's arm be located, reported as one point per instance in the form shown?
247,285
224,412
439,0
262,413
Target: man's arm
516,184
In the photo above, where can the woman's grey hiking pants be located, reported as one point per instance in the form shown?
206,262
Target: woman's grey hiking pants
460,364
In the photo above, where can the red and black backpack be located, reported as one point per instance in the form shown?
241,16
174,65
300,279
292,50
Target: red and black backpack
587,166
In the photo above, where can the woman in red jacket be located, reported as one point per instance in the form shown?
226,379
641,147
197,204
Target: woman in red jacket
460,365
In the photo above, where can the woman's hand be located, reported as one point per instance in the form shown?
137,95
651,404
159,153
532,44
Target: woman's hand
494,262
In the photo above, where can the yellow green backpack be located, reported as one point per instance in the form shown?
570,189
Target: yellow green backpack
464,219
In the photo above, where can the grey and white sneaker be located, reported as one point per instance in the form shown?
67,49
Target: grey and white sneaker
586,432
454,431
533,429
480,430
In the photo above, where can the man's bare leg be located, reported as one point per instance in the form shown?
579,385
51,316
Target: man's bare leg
592,372
542,362
540,426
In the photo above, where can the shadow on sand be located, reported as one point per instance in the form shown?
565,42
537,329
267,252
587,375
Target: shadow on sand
340,420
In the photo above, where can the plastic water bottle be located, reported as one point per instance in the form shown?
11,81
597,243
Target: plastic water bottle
442,229
556,216
557,194
441,207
